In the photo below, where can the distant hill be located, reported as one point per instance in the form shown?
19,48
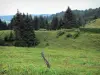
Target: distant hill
9,17
86,15
6,18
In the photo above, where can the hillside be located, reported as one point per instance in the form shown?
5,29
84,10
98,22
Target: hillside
49,39
89,37
84,41
85,15
93,24
67,55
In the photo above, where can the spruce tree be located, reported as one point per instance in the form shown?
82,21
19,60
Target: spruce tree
41,22
24,31
69,19
46,24
36,23
61,24
54,23
3,25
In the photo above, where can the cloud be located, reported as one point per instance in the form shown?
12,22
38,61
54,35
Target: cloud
8,7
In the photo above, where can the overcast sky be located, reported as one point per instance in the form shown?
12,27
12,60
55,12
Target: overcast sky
9,7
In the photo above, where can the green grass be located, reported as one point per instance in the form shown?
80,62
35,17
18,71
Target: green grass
28,61
93,24
85,40
67,56
48,39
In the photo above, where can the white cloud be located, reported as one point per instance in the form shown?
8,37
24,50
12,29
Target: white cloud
8,7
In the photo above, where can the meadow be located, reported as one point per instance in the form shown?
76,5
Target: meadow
28,61
66,55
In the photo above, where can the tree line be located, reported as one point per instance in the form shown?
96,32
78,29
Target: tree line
68,21
84,16
81,17
24,25
3,25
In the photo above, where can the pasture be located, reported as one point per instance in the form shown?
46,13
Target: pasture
28,61
66,55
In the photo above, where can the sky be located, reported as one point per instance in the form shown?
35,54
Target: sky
9,7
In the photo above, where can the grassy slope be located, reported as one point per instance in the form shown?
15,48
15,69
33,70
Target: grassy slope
67,56
84,41
94,24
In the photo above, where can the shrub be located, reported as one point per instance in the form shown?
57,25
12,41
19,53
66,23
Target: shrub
2,42
6,38
36,42
29,43
69,35
93,30
60,33
9,38
20,43
45,38
47,44
76,34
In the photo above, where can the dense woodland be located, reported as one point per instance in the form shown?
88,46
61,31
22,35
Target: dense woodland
24,25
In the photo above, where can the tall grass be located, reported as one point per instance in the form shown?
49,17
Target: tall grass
28,61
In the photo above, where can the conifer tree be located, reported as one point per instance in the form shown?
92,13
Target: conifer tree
24,31
36,23
54,23
3,25
69,19
61,24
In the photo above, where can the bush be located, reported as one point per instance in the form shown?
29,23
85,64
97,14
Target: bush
2,42
9,38
69,35
60,33
47,44
76,34
45,38
20,44
93,30
6,38
23,43
36,42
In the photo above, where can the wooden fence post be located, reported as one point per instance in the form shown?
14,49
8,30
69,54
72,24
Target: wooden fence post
45,60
